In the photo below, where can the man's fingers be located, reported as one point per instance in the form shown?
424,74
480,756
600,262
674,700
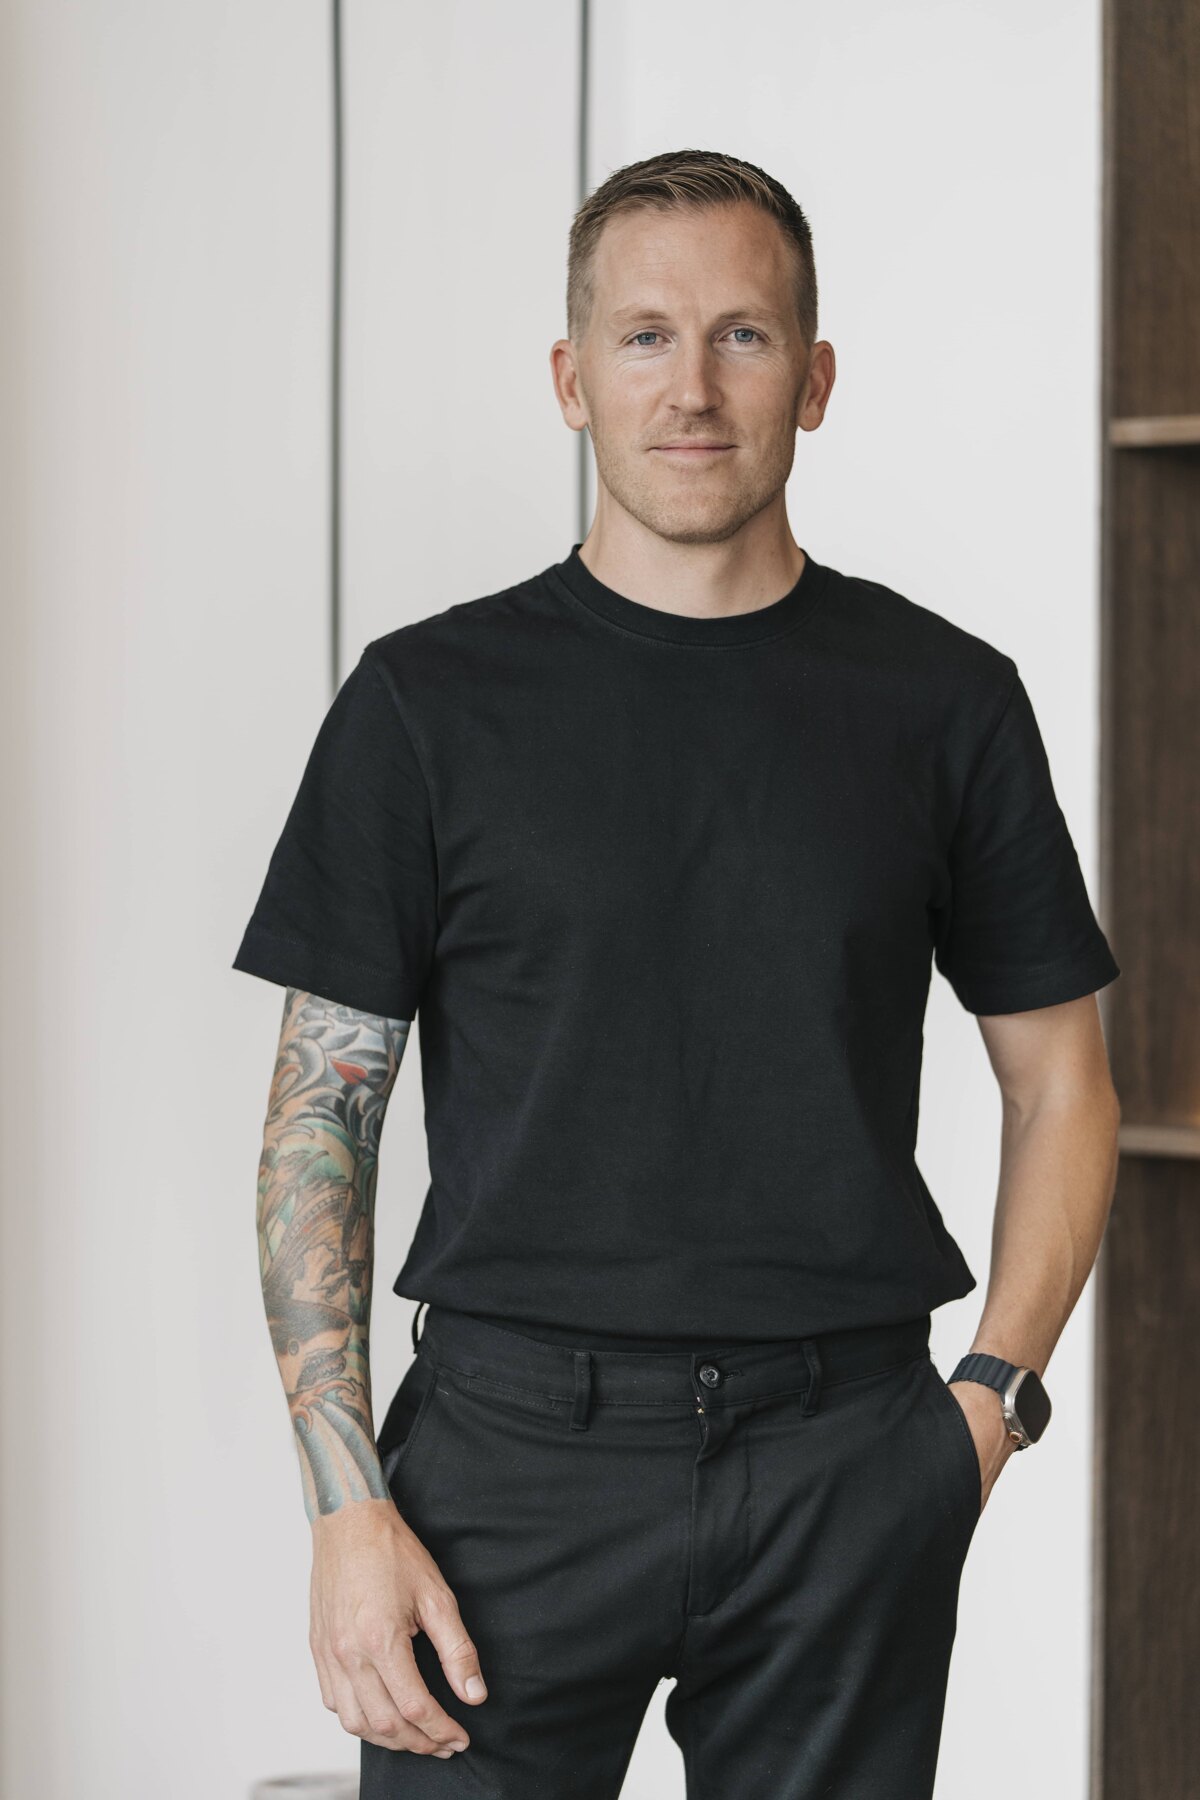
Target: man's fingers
356,1692
345,1701
411,1720
324,1679
440,1620
399,1677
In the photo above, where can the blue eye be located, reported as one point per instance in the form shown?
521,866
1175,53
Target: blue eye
747,330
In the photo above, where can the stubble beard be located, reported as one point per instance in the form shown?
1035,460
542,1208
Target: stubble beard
715,511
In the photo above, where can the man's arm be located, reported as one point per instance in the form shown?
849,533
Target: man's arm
374,1584
334,1072
1058,1166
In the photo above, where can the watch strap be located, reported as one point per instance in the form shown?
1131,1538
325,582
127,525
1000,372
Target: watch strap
992,1371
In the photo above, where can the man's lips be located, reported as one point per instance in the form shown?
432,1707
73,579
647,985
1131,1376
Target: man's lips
690,450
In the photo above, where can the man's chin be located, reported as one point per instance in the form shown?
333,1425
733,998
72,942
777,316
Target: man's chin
697,527
696,523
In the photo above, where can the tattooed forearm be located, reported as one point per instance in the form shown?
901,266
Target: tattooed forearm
334,1071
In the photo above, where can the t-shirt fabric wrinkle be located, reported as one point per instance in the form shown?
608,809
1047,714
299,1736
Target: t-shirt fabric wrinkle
664,895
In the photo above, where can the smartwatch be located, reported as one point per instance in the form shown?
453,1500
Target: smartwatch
1025,1402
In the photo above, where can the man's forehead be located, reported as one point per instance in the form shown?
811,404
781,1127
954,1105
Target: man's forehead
644,277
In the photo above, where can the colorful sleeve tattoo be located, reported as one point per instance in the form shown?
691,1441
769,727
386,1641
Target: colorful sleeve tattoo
316,1234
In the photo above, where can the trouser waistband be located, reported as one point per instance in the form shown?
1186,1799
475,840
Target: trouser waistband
715,1372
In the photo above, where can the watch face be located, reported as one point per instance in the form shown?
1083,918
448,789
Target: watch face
1031,1403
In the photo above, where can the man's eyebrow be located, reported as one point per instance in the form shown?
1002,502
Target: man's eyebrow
655,314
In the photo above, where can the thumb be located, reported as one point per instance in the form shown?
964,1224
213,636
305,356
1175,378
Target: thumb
442,1624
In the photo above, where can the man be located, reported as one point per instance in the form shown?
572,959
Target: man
659,847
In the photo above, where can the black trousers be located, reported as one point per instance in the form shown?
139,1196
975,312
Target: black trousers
780,1530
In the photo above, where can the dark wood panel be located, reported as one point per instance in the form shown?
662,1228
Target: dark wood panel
1154,154
1146,1590
1151,892
1147,1742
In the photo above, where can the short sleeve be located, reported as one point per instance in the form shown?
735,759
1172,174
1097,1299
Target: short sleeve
1017,930
348,909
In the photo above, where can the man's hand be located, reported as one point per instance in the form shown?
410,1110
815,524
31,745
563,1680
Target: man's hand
985,1416
374,1586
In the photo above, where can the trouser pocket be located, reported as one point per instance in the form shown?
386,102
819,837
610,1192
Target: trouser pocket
962,1443
407,1413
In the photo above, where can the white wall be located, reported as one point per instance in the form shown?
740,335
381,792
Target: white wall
164,185
166,199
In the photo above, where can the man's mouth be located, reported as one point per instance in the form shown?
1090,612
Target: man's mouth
686,451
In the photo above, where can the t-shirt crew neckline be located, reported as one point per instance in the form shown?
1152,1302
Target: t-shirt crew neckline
753,627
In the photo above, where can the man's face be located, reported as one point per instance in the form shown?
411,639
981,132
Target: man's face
693,339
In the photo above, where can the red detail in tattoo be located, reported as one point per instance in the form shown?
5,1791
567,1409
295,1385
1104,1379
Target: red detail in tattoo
349,1071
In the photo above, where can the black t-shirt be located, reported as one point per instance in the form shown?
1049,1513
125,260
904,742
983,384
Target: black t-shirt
663,894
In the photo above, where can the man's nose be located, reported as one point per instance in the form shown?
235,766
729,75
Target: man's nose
695,384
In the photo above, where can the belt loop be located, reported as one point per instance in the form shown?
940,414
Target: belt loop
812,1358
415,1317
583,1390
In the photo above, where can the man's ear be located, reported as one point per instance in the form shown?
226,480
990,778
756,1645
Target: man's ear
568,384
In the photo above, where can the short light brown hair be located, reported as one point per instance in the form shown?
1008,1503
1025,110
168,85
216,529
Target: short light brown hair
693,179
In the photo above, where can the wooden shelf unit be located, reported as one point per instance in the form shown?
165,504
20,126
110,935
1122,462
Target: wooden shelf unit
1146,1570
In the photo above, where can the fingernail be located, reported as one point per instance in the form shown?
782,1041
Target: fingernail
458,1746
475,1687
443,1754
